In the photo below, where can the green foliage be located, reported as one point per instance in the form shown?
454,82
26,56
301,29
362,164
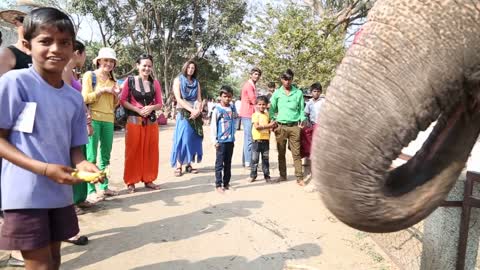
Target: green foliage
293,37
173,31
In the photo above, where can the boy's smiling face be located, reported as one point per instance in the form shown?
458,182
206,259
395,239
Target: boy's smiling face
261,106
51,49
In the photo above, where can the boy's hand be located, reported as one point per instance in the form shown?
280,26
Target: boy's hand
89,167
61,174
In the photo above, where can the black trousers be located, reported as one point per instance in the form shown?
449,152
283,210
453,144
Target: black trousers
223,164
260,147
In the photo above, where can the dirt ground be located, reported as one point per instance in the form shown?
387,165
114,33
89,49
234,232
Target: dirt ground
187,225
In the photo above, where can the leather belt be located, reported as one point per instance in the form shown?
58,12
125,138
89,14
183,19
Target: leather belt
292,124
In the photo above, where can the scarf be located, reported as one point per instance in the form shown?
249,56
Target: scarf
188,90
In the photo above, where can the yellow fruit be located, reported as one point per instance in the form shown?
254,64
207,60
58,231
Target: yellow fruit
87,176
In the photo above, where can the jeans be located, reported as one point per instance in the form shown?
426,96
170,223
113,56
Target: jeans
223,163
247,141
260,147
292,134
238,123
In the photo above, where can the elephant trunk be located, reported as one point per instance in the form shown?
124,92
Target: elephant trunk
407,70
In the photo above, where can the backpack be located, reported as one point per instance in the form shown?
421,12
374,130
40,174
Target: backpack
94,80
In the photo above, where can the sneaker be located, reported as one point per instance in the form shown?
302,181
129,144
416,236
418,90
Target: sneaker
15,262
247,164
281,179
252,179
220,190
226,187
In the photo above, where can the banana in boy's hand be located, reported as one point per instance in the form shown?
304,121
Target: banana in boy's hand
88,176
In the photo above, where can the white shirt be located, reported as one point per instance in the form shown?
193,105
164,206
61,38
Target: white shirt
238,104
312,108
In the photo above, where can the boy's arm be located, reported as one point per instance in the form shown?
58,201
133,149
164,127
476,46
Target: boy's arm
251,94
273,106
302,107
255,123
58,173
213,127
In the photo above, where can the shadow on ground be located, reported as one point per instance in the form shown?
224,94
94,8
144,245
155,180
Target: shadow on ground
124,239
266,261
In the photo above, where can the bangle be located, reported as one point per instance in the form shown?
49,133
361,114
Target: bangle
45,170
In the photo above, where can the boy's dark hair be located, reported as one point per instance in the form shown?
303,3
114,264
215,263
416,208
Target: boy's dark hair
316,86
256,69
287,75
271,85
225,89
262,98
47,17
78,46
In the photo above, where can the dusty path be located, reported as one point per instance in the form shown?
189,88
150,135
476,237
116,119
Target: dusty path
187,225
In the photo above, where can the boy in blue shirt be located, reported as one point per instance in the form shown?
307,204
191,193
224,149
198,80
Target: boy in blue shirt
42,129
222,133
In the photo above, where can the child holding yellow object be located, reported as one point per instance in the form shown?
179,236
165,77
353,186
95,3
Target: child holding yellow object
261,126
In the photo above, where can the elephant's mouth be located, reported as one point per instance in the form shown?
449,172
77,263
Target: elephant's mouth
412,191
426,164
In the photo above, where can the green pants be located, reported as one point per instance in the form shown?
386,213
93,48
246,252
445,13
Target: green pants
80,190
103,134
292,134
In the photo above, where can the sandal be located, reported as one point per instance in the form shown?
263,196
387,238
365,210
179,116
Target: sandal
109,192
189,169
78,240
94,198
131,189
178,172
152,186
85,204
79,211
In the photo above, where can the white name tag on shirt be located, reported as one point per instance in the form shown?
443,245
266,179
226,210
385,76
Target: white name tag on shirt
26,118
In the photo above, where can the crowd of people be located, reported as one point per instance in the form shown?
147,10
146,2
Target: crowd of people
38,82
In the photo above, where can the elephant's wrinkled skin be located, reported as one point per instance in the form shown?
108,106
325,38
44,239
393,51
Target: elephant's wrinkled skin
414,62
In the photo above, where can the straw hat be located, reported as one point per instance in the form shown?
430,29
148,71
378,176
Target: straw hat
105,53
20,9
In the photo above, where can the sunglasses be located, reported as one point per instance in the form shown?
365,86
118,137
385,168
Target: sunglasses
146,56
